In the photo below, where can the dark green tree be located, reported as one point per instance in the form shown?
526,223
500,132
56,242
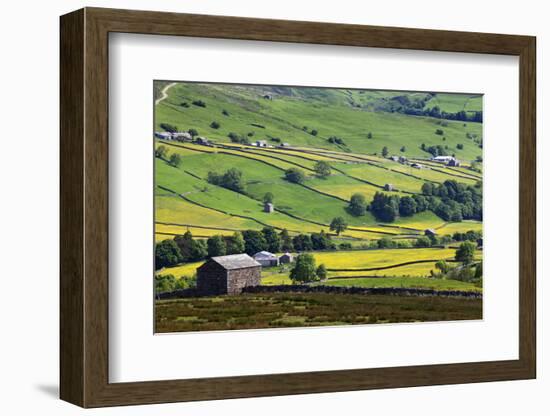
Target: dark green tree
161,152
385,151
175,160
321,272
338,225
286,241
234,243
304,269
216,246
272,239
465,252
167,253
357,205
268,198
193,132
295,175
322,169
407,206
254,242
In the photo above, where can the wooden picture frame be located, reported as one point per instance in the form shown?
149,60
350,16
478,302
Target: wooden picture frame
84,207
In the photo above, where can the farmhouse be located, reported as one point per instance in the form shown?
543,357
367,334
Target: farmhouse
453,162
442,159
228,274
268,207
182,136
164,135
286,258
266,259
261,143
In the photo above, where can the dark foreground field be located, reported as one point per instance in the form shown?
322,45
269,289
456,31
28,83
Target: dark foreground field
276,310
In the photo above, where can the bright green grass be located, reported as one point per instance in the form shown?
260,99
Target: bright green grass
453,103
420,221
284,118
460,227
406,282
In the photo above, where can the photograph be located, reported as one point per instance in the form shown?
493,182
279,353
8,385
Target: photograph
280,206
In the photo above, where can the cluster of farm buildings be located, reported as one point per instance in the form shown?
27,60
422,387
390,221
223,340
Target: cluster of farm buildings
230,274
444,160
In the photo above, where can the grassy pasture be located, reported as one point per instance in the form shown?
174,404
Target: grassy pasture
406,282
284,117
452,103
460,227
364,259
276,310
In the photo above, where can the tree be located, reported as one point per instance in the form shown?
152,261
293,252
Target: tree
193,132
442,266
407,206
423,242
465,252
175,160
225,113
321,241
322,169
272,239
215,125
439,132
167,253
295,175
403,149
216,246
199,103
268,198
304,269
161,152
169,127
385,151
254,242
302,242
314,132
338,224
369,135
233,179
357,205
460,146
234,243
191,250
386,242
385,207
286,241
321,272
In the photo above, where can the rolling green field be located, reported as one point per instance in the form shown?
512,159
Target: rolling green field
346,129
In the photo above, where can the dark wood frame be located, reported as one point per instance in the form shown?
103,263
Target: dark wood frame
84,207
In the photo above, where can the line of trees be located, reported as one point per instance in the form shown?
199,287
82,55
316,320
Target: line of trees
451,201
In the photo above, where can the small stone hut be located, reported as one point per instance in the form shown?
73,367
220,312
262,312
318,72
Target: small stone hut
388,187
286,258
268,207
430,232
228,274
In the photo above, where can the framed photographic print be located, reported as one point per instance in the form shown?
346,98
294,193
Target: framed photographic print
258,207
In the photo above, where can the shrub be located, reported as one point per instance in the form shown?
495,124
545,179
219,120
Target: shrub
199,103
215,125
295,175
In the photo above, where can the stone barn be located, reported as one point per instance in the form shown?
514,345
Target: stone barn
286,258
268,207
228,274
266,259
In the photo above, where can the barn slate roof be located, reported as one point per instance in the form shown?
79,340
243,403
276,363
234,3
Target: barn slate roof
236,261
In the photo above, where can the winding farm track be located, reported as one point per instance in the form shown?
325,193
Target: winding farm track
164,93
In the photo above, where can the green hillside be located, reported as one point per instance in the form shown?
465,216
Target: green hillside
329,112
